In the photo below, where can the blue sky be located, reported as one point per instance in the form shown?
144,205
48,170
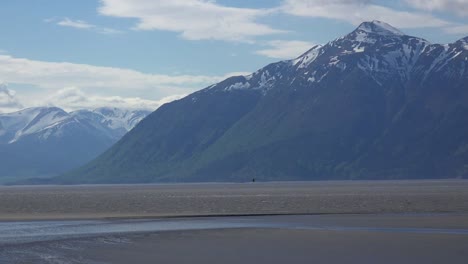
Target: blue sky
134,53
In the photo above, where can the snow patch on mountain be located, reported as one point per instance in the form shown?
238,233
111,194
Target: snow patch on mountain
239,86
464,43
440,60
363,37
267,80
358,48
117,118
307,58
45,119
23,122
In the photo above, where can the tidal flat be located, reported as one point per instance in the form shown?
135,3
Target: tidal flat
284,222
224,199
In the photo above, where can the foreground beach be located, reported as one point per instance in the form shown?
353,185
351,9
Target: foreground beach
288,246
314,222
394,238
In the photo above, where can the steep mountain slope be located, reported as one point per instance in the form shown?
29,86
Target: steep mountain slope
374,104
45,141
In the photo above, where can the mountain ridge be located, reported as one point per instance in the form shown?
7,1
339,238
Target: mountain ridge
368,105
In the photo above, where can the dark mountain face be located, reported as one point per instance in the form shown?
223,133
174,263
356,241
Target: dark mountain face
374,104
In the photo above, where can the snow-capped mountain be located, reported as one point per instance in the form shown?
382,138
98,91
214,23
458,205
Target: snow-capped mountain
115,121
377,49
373,104
44,141
40,120
46,122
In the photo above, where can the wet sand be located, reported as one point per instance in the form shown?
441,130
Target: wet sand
285,246
136,201
394,238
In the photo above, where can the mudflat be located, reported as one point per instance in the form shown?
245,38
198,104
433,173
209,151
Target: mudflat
286,222
285,246
381,238
167,200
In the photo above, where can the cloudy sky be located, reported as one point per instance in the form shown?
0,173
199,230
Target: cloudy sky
142,53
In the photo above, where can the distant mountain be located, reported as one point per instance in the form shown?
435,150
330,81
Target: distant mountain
46,141
374,104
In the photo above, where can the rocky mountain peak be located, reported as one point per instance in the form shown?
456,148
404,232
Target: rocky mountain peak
379,28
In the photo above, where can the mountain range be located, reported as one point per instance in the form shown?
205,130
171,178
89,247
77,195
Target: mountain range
374,104
47,141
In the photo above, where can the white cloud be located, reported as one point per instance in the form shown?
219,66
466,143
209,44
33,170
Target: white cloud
72,98
61,74
194,19
357,11
457,29
8,100
106,30
83,25
100,83
283,49
66,22
459,7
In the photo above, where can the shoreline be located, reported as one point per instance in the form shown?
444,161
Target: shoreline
246,183
214,216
